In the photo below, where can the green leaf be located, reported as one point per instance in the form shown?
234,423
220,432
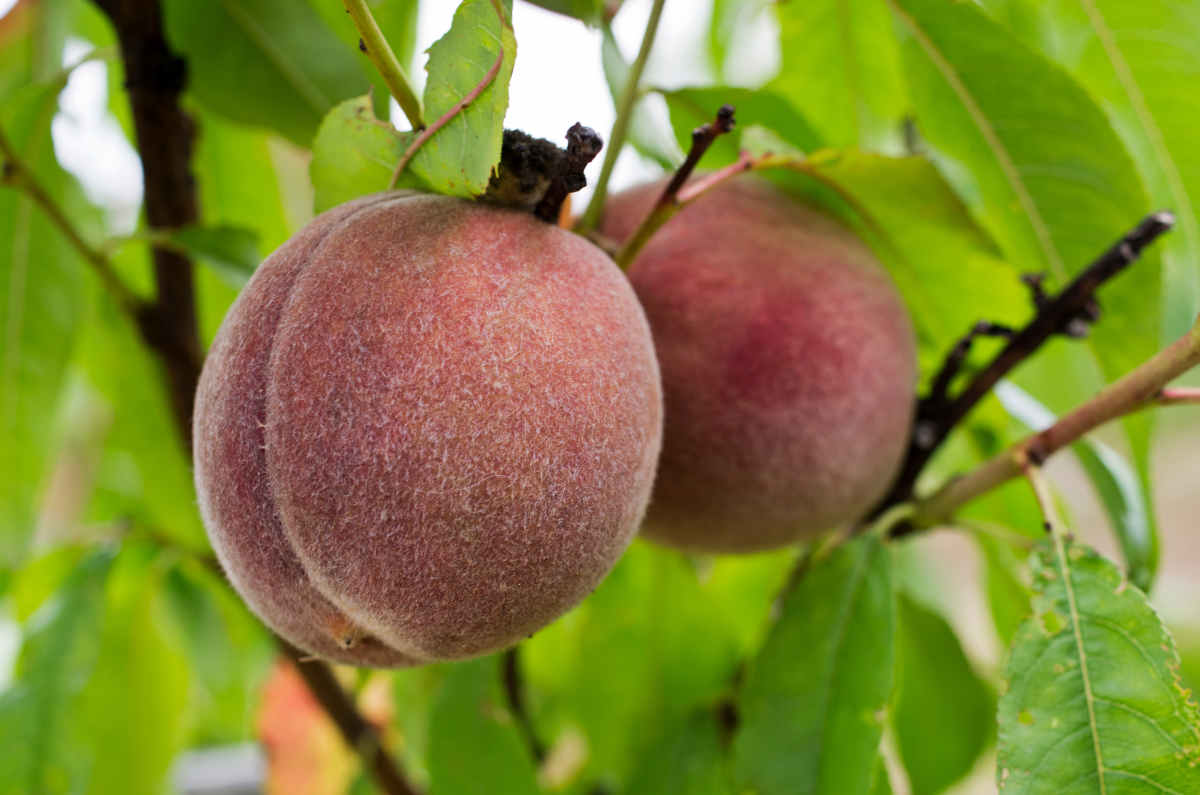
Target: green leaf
40,578
415,691
231,251
355,154
692,107
674,641
1115,482
42,289
228,651
944,266
1042,170
690,759
1130,56
1007,594
132,713
397,19
646,135
474,746
459,158
841,69
240,181
58,654
724,24
944,714
1094,700
881,784
589,11
813,706
271,63
245,177
144,473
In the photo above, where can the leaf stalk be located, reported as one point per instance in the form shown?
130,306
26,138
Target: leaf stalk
385,60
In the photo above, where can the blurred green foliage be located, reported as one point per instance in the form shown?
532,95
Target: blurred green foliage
967,143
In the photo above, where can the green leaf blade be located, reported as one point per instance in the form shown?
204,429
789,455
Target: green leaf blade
675,641
231,251
692,107
1043,171
355,154
58,654
271,63
812,703
1131,56
841,69
589,11
940,696
42,293
690,759
1094,699
474,746
459,158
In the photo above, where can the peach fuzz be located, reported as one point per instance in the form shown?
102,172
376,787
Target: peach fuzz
788,363
426,428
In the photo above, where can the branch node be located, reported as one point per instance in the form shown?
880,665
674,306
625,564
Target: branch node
924,434
1037,291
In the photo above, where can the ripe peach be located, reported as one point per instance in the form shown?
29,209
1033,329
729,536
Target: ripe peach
788,364
426,428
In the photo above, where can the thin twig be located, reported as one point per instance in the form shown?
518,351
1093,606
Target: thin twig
1178,395
20,177
700,185
1138,389
616,139
1060,314
380,53
514,689
458,108
670,201
359,733
939,389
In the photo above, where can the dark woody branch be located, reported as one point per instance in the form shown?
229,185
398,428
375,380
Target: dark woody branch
1068,313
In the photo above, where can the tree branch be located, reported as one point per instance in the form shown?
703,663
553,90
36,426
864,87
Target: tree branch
155,77
616,139
671,200
359,733
1061,314
514,689
1138,389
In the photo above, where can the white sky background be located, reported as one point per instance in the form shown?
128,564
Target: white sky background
557,81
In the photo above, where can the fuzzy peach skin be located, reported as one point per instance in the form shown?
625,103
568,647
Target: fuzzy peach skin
788,363
426,428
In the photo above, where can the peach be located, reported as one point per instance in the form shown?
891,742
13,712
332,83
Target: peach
426,428
788,364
